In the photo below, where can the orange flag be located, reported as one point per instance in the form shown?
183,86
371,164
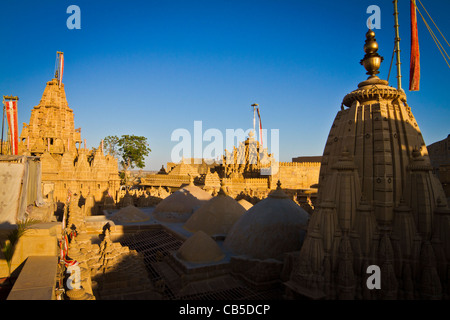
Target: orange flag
11,115
414,73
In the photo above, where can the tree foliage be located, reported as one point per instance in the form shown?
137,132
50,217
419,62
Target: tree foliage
130,149
110,143
8,247
133,150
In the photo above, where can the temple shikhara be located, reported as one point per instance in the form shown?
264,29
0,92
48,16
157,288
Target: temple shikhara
66,163
369,219
379,203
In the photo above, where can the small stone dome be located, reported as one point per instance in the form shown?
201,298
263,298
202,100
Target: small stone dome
217,216
129,214
269,229
179,206
200,248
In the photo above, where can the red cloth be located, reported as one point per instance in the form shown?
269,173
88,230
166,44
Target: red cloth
260,129
414,73
11,115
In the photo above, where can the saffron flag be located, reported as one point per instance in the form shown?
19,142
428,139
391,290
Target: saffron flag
260,128
11,115
414,73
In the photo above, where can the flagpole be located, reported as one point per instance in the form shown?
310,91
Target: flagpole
254,117
60,67
397,46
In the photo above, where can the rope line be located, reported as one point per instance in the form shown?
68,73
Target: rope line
390,67
435,39
433,22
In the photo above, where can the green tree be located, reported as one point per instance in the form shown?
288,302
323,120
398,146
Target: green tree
130,149
111,145
13,237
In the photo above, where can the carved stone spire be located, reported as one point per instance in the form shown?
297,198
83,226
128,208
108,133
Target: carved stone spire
375,148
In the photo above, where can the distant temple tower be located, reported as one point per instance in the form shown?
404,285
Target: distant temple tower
66,165
247,160
378,205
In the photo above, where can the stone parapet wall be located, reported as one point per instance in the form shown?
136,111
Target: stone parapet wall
165,180
298,175
37,280
249,183
39,240
299,164
258,274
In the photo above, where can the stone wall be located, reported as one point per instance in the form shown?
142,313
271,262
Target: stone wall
39,240
75,173
298,175
258,274
439,153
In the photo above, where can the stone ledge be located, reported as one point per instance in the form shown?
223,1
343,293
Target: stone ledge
37,280
39,240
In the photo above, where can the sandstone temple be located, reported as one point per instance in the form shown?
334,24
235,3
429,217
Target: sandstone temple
248,171
245,228
378,204
66,164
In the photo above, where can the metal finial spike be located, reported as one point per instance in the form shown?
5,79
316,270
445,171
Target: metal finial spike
372,60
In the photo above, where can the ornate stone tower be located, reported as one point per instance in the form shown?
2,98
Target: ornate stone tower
51,126
379,203
66,166
247,160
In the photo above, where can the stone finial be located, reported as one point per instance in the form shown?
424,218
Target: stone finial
278,192
222,190
278,184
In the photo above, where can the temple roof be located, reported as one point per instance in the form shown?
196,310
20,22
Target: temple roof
129,214
200,248
181,204
216,216
184,169
269,229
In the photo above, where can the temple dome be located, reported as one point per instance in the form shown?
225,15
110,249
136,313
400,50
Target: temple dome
216,217
184,169
129,214
179,206
269,229
200,248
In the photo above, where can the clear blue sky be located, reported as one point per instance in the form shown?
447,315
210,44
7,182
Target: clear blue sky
150,67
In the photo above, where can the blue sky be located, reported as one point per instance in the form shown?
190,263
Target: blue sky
150,67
